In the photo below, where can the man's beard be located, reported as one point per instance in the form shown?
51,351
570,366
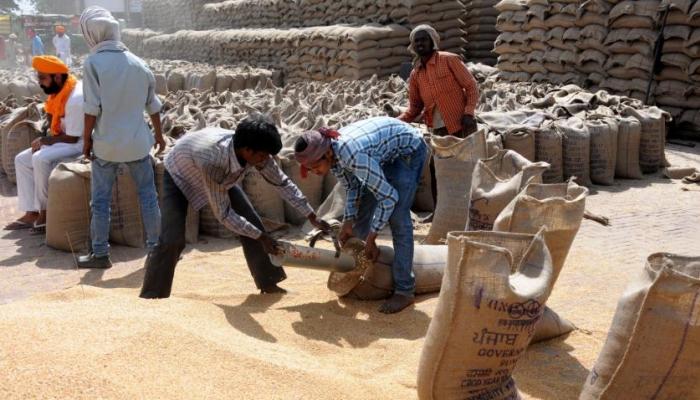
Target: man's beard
52,89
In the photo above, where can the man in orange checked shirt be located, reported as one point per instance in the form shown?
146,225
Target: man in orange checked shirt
440,87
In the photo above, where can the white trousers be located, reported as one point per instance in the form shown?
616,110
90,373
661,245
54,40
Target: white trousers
33,171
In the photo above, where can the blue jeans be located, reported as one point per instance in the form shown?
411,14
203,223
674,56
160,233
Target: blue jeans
403,174
103,176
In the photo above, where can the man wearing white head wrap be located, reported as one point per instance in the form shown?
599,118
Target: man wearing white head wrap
441,88
117,87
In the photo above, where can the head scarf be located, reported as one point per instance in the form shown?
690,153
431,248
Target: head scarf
100,30
60,29
431,32
56,103
318,142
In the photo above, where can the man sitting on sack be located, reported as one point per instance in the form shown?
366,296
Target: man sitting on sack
64,111
204,168
440,87
379,162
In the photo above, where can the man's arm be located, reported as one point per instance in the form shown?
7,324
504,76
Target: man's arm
467,82
415,102
92,104
153,107
90,121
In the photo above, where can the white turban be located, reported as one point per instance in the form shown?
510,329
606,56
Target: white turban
430,31
100,30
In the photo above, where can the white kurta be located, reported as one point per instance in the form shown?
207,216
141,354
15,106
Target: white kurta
34,169
62,45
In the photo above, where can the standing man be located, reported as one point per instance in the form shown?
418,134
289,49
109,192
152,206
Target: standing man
117,87
204,168
12,51
61,42
37,44
379,162
64,109
440,87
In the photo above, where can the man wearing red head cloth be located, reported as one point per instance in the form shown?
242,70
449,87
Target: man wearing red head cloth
64,109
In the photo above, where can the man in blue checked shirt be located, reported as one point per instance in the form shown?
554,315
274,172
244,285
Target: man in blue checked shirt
379,161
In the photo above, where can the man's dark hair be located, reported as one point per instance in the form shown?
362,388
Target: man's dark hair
300,145
258,133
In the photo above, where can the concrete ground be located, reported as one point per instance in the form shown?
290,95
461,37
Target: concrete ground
647,216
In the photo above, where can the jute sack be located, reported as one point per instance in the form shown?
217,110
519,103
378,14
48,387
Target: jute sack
455,160
311,187
423,200
653,347
495,182
428,266
263,196
209,225
522,141
627,160
549,148
556,207
126,226
493,293
653,137
603,133
18,139
577,150
68,217
192,219
333,207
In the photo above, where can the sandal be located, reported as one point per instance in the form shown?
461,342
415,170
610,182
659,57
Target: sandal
18,225
38,229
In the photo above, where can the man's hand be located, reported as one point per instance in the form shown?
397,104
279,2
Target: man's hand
371,249
87,149
159,144
36,144
468,125
345,232
270,245
320,224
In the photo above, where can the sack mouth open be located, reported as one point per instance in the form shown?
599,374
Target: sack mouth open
682,267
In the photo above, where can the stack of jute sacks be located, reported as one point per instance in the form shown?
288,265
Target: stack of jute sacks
134,38
21,84
631,42
172,15
593,54
678,81
319,53
480,19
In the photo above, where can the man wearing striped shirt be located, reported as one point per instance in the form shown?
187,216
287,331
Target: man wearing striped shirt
204,168
441,88
379,162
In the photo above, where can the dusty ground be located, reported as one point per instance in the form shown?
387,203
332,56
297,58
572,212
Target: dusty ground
87,335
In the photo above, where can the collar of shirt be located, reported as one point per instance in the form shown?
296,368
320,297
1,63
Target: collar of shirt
432,61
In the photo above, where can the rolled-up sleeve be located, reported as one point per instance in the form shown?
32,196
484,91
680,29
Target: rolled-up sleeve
92,103
153,103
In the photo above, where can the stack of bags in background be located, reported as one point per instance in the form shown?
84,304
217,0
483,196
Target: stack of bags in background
480,19
134,38
510,44
172,15
593,54
235,14
678,88
631,41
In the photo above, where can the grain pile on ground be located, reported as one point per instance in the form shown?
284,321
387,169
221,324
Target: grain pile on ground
480,19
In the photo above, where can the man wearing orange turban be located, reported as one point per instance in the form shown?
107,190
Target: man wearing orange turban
64,110
61,42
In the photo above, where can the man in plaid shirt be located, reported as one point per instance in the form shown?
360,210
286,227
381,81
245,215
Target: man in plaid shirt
204,168
379,161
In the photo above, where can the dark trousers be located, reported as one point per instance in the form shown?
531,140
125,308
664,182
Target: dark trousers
161,261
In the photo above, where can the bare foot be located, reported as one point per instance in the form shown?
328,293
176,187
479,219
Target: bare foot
272,289
396,303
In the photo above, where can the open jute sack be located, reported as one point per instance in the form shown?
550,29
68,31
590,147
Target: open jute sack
68,217
455,160
559,209
493,294
495,182
653,348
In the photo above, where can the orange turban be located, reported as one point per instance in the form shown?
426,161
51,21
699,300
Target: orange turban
49,65
60,29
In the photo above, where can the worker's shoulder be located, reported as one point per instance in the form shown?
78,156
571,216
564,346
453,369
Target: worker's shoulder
450,56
